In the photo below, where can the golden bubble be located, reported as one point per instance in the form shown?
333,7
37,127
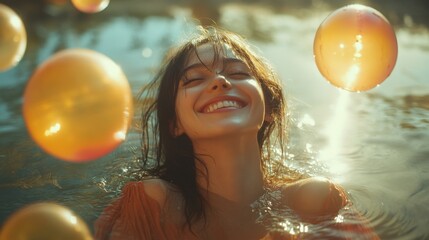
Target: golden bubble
78,105
13,38
90,6
47,221
355,48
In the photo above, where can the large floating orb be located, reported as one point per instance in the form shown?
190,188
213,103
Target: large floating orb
78,105
13,38
47,221
90,6
355,48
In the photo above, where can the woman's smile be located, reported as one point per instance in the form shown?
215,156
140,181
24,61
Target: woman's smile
223,104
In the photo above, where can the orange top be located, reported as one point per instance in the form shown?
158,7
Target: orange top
135,215
138,215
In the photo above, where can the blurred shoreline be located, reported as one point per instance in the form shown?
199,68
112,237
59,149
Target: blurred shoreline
412,13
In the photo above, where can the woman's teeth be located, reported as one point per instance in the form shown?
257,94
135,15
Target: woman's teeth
222,104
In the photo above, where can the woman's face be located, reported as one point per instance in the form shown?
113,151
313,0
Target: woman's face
218,97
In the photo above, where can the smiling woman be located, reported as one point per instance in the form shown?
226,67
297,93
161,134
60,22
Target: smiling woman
217,96
207,151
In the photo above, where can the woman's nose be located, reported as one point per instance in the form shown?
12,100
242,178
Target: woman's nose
220,82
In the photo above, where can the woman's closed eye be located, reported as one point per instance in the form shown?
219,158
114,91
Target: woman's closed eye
236,69
188,81
194,76
193,80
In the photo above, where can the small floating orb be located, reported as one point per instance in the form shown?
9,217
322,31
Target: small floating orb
90,6
355,48
48,221
78,105
13,38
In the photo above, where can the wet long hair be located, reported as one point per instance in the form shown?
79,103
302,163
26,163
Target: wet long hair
171,157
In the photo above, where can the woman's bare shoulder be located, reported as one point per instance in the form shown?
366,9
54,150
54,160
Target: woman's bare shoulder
168,197
157,189
314,196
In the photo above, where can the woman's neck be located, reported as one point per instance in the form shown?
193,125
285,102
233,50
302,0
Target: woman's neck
233,168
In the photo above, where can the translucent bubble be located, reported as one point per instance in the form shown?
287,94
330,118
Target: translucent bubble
13,38
78,105
355,48
90,6
48,221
